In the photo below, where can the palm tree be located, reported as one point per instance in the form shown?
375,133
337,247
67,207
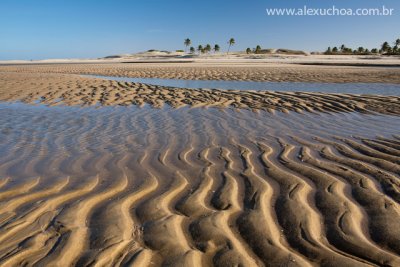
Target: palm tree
396,48
231,42
248,51
216,48
192,50
200,49
342,48
187,43
258,49
207,48
385,47
328,51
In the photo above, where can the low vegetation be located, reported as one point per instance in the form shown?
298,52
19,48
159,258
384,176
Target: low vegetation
256,50
385,49
206,49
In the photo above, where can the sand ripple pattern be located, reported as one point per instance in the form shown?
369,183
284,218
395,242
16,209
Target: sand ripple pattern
57,89
219,71
129,186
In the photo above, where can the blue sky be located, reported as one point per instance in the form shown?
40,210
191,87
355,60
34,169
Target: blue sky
38,29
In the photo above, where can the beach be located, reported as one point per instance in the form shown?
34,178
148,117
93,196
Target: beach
49,83
101,172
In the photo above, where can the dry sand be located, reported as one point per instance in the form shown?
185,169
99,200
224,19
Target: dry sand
138,186
232,58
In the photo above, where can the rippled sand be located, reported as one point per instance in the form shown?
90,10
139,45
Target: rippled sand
278,179
127,185
222,71
55,89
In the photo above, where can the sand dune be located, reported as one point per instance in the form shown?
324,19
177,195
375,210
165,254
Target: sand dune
198,187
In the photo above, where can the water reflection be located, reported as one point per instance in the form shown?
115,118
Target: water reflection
345,88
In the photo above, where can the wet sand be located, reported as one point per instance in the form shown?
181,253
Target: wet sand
210,70
281,179
66,89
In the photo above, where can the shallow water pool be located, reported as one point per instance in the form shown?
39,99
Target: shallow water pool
345,88
94,175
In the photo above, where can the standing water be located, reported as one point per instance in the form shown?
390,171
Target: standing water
344,88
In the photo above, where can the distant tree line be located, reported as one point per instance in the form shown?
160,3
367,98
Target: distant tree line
385,49
256,50
206,49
